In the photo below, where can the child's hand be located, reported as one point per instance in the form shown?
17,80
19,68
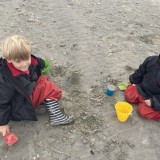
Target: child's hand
147,102
129,83
4,129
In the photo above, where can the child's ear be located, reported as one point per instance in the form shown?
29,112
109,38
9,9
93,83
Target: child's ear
9,61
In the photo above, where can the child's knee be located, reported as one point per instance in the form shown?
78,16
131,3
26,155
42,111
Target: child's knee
131,94
60,94
140,111
145,111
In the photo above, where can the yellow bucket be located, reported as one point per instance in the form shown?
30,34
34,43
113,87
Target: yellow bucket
123,110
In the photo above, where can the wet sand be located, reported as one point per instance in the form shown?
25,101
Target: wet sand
89,44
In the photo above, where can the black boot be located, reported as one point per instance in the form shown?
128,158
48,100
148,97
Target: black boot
56,116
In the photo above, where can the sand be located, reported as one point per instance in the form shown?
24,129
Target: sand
89,43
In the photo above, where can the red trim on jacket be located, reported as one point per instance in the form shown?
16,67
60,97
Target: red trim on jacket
16,72
34,61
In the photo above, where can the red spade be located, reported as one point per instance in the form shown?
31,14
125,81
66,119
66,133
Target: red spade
10,138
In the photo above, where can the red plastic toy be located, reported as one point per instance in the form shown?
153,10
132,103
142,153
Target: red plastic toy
10,138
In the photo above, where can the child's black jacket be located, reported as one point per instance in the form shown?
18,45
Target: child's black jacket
147,77
15,103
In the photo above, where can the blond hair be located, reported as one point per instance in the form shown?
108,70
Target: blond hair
16,48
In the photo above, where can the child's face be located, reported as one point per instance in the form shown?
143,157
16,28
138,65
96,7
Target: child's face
21,65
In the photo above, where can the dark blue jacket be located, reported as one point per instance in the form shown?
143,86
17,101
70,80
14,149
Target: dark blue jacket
15,103
147,78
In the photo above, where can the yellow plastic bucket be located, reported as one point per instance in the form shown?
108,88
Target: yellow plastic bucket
123,110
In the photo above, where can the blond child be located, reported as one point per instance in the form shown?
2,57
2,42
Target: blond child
23,88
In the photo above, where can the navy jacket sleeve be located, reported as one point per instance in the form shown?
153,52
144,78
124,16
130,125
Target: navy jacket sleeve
6,95
155,102
137,76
